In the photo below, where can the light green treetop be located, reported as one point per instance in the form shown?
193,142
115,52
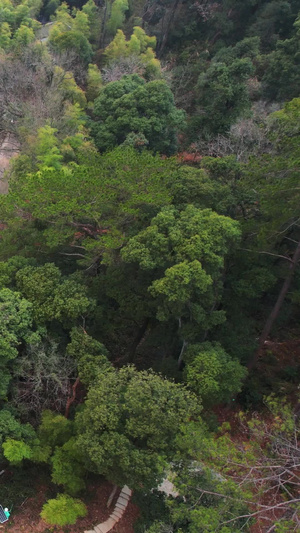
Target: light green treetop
186,252
140,47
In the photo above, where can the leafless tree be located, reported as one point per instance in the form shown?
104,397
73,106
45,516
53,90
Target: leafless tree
262,458
23,93
181,79
247,137
31,91
272,468
43,378
116,69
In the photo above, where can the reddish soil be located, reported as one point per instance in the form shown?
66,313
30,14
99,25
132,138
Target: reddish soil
263,525
283,355
27,517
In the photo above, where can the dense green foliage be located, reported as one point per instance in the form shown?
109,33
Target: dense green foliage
129,424
133,106
149,257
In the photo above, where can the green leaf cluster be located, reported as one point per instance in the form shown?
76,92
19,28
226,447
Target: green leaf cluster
132,105
129,424
63,510
212,373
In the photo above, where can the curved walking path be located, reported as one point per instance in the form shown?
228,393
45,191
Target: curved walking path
117,513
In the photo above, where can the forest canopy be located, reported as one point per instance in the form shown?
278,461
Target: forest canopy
149,263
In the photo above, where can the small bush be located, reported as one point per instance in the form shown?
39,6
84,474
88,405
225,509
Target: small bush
63,510
16,450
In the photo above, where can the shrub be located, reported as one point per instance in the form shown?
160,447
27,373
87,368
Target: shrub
63,510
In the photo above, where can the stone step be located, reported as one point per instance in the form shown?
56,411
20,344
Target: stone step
117,512
116,518
121,506
126,490
122,500
98,529
105,528
108,525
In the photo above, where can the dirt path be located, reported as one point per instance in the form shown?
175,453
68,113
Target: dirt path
8,148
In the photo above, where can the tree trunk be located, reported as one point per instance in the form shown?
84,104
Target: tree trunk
180,358
72,398
276,309
111,496
137,341
146,7
103,28
183,347
166,33
214,38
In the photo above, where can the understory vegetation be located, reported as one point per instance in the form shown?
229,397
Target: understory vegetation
149,258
